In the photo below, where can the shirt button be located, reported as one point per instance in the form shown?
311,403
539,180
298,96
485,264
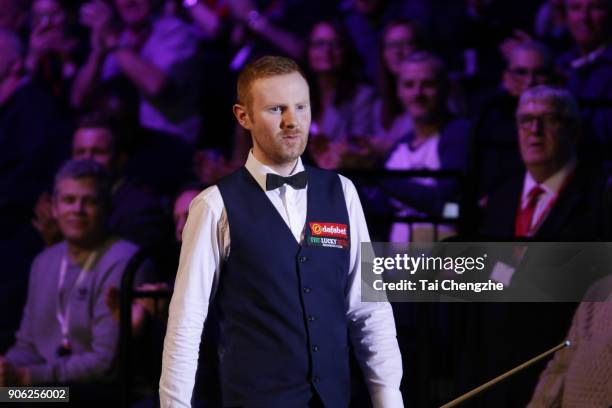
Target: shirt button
315,348
316,379
307,290
303,259
311,318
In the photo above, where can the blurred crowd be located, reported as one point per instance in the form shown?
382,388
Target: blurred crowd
115,114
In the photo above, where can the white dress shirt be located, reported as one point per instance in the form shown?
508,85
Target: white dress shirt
206,244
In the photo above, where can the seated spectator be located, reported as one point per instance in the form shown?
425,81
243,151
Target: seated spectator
341,104
496,150
366,20
581,375
557,198
67,334
551,25
143,308
469,35
589,69
34,141
400,38
135,214
438,141
159,57
54,52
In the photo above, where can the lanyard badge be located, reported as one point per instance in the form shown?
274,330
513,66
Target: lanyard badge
63,310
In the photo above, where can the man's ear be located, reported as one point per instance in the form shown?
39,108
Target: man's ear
242,116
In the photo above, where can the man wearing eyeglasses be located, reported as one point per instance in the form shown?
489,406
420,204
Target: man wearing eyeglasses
557,198
529,64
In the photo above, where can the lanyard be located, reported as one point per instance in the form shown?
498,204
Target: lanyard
63,313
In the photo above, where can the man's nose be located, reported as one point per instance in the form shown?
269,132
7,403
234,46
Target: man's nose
531,80
536,126
79,206
289,119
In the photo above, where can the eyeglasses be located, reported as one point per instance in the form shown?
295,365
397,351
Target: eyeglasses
522,73
547,121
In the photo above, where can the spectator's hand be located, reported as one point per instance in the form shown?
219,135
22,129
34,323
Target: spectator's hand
11,375
44,221
41,39
154,307
141,307
97,15
112,301
240,9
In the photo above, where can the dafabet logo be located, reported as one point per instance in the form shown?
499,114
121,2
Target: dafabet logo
327,229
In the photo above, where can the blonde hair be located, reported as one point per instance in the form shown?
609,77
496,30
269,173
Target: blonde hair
264,67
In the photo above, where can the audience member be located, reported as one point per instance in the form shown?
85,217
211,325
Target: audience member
34,140
589,68
551,25
366,20
158,55
557,198
400,38
438,141
341,104
53,50
496,154
581,375
67,334
135,214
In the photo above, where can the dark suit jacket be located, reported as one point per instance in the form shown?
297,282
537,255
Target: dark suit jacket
577,215
513,332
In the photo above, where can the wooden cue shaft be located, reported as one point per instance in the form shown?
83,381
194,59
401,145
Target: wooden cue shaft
505,375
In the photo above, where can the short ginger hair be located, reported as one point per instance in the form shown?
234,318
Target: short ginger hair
264,67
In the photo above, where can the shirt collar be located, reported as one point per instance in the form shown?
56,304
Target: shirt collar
259,171
550,186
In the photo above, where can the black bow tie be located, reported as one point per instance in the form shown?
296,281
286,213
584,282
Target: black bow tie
297,181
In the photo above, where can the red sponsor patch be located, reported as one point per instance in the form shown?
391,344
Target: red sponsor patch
328,229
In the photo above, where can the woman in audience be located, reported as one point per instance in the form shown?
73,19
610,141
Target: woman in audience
341,103
400,38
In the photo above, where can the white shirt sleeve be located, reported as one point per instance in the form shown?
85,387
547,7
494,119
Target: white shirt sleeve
205,245
371,324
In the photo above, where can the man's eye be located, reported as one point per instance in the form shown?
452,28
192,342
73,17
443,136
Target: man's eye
301,107
275,109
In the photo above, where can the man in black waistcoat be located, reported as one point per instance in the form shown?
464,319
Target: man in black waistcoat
286,290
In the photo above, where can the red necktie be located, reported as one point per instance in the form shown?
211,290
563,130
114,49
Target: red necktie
524,218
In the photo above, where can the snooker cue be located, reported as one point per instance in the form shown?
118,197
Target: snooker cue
505,375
